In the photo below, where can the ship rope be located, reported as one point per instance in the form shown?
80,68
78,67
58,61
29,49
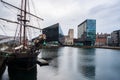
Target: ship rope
30,37
11,10
33,4
3,29
16,34
29,18
32,32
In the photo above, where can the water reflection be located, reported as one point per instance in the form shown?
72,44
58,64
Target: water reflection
86,62
107,64
73,64
49,53
68,63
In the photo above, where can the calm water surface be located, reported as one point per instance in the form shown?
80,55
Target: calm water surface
70,63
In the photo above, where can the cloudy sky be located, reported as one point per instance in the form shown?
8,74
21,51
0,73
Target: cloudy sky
70,13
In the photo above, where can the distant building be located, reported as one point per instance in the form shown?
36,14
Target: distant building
68,40
109,41
53,34
77,42
115,37
101,39
87,32
71,33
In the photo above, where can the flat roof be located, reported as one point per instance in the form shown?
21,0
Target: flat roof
52,26
85,21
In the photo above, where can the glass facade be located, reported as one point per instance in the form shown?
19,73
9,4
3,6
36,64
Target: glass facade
87,32
53,33
91,30
60,32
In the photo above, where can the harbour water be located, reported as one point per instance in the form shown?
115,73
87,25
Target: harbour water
69,63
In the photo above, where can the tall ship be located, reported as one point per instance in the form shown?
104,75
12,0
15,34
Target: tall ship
23,54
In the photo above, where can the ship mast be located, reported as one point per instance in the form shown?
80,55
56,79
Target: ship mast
21,9
21,13
24,21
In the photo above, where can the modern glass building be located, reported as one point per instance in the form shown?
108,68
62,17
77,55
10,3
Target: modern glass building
87,32
53,33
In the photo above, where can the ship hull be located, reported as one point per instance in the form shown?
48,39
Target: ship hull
2,65
22,61
22,74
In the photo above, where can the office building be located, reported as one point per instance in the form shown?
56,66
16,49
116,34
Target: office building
115,37
87,32
53,34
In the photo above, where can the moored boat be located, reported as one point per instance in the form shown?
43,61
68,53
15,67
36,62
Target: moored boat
23,55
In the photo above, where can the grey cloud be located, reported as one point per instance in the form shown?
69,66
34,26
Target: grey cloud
107,16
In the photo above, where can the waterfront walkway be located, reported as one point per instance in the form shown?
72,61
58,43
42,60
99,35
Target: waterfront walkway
104,47
108,47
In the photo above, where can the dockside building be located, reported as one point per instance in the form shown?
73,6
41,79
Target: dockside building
53,34
87,32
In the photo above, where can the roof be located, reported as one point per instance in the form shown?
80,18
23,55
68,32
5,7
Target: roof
85,21
52,26
116,30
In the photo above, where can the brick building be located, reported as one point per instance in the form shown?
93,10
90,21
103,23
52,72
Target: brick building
101,39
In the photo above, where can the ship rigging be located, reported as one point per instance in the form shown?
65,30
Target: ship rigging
23,56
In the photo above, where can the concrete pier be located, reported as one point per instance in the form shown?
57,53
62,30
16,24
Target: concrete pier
42,62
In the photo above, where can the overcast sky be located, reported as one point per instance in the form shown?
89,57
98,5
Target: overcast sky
70,13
